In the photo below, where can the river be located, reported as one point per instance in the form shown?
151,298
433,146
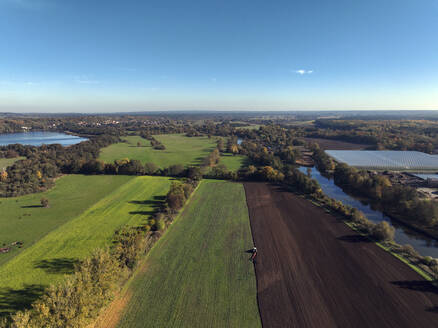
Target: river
425,245
39,138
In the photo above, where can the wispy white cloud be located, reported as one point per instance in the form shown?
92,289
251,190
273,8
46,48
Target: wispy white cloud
85,79
126,69
303,71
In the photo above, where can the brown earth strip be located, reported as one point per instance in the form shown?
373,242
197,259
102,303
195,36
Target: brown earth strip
314,271
332,144
111,315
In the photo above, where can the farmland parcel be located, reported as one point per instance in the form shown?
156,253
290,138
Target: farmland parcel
24,220
386,159
46,262
198,274
314,271
179,150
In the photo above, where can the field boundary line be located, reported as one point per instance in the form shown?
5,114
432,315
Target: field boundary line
254,266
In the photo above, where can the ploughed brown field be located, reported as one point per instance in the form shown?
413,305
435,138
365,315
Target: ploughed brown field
314,271
330,144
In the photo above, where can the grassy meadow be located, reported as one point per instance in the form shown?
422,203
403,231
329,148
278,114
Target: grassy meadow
179,150
198,274
23,219
5,162
233,162
54,255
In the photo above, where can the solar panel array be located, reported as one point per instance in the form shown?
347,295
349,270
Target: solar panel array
386,159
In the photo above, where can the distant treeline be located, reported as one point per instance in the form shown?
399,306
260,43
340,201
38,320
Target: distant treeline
42,164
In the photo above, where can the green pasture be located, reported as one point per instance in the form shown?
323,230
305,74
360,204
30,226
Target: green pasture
5,162
46,262
233,162
23,219
198,274
179,150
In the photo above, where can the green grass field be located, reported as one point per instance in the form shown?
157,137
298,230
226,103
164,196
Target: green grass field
179,150
5,162
23,219
233,162
198,274
50,258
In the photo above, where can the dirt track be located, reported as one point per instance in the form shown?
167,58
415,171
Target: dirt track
313,271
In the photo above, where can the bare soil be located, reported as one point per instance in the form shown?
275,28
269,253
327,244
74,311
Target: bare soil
330,144
314,271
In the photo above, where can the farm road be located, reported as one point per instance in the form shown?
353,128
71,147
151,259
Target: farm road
313,271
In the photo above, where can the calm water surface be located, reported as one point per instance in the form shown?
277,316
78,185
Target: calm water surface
403,235
39,138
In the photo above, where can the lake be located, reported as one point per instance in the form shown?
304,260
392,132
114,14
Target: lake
39,138
425,245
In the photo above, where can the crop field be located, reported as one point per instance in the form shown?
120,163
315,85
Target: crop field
179,150
198,274
5,162
54,255
314,271
23,219
233,162
386,159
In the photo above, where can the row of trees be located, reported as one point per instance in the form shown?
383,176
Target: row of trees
398,200
382,134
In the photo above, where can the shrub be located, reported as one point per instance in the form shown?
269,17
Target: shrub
188,189
44,202
383,231
150,168
408,249
160,225
428,260
175,170
159,147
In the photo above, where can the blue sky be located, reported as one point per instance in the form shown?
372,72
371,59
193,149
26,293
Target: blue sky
103,56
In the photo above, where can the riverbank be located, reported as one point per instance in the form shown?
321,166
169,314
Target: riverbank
426,266
426,245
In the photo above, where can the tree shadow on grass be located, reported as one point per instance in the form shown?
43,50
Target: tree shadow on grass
142,212
156,203
12,300
58,266
354,239
417,285
32,206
